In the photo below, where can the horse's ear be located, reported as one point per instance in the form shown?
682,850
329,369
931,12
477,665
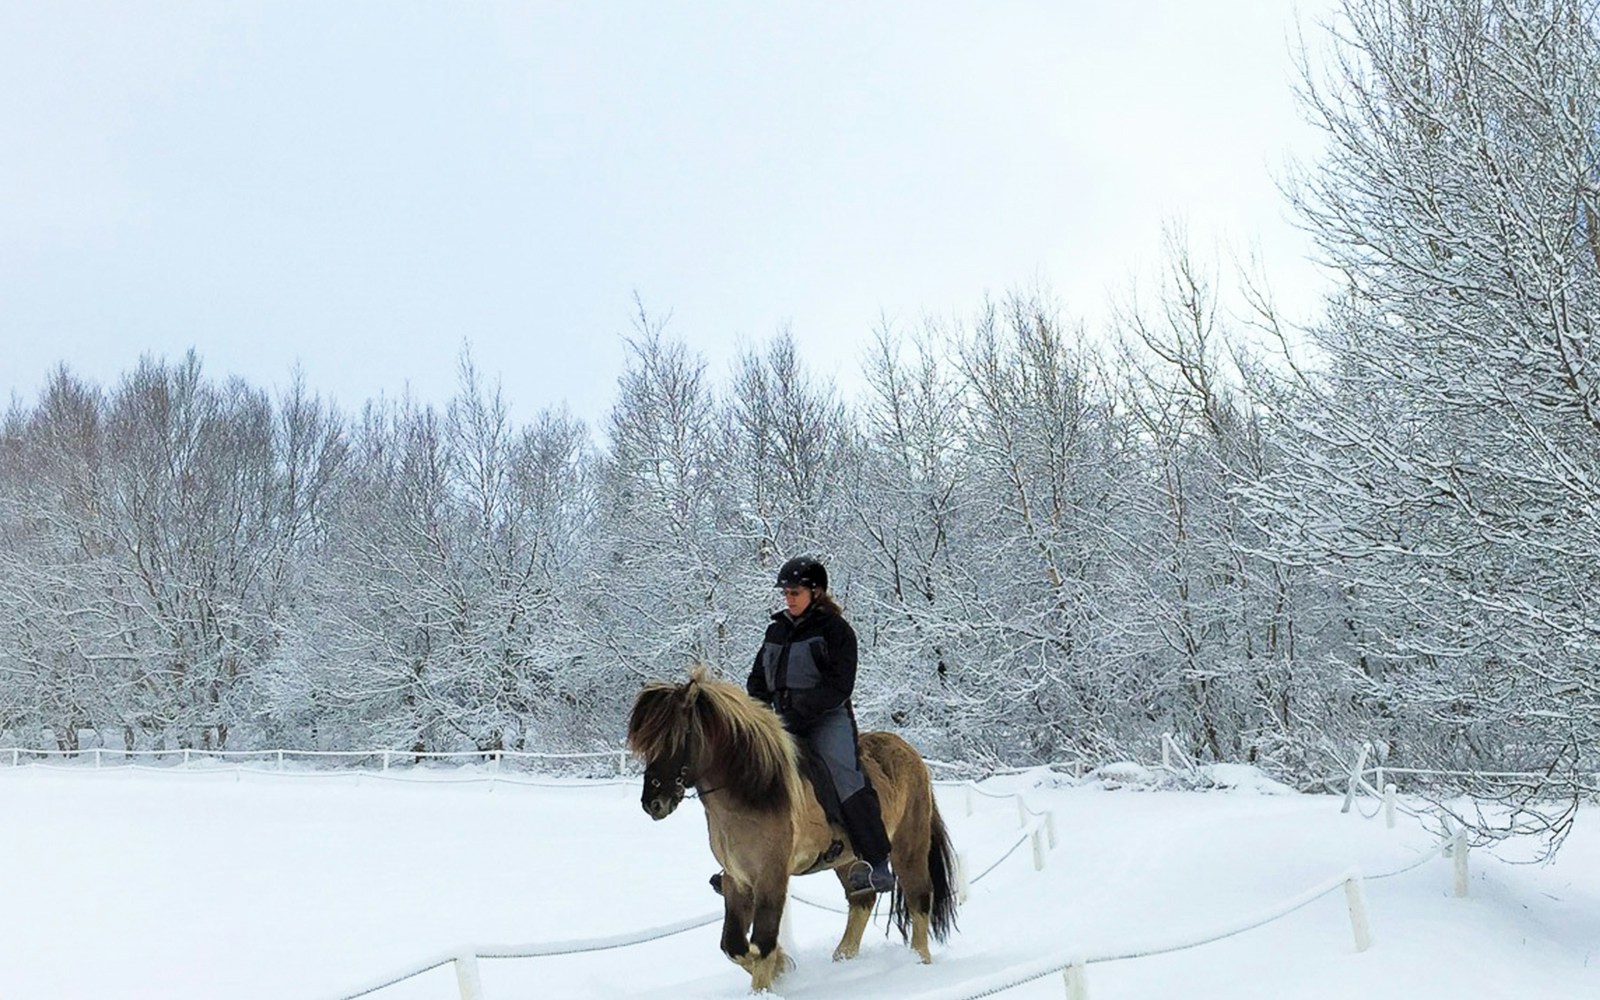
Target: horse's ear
691,690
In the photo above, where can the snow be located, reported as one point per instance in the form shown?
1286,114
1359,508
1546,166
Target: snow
217,882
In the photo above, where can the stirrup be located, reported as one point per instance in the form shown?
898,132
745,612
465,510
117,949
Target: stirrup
864,876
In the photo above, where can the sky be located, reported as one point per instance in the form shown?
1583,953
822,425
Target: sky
359,191
256,885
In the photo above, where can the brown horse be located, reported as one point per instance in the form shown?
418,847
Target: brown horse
765,822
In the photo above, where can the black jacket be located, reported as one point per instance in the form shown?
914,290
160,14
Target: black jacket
805,667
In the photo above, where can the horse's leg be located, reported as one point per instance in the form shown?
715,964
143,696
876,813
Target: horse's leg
910,857
855,924
917,892
738,906
767,959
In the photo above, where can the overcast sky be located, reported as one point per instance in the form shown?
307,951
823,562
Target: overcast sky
362,187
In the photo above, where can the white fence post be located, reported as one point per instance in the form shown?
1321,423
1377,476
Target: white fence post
963,887
280,760
1077,981
1459,849
1022,812
1355,778
1050,828
1038,850
96,756
386,760
1166,751
1358,913
1388,805
467,977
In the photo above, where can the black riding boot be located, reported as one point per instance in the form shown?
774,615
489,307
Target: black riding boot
863,821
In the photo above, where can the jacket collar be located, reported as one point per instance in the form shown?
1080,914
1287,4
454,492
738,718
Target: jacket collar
807,615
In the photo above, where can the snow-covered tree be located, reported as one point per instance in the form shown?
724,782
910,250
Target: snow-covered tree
1447,470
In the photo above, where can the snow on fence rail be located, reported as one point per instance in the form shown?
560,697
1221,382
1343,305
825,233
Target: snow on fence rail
279,758
466,959
1454,844
1073,964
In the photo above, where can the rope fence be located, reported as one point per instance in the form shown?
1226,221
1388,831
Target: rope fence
405,765
190,754
466,959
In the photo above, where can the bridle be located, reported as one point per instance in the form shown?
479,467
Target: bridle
683,787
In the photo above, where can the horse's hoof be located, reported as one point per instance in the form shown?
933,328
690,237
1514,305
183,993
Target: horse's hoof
762,975
843,954
764,970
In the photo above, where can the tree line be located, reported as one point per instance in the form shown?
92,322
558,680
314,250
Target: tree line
1383,526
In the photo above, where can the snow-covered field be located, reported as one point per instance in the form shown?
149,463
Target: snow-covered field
117,883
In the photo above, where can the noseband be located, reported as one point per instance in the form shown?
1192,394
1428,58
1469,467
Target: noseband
682,784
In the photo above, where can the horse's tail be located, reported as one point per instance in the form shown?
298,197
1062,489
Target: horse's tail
941,872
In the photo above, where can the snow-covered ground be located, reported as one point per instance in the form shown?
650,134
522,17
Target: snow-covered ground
117,883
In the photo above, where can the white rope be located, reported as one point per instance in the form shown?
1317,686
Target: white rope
346,774
1026,834
1040,968
541,950
484,755
1499,775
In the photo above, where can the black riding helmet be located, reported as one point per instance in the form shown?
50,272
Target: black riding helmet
803,571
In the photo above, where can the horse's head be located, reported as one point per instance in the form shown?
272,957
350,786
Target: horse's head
662,732
665,782
709,730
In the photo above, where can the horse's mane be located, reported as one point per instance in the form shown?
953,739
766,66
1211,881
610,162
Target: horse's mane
739,745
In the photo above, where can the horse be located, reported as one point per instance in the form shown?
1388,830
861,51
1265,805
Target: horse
766,825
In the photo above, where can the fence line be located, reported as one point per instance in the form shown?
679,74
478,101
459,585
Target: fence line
466,957
1065,960
424,777
76,760
188,753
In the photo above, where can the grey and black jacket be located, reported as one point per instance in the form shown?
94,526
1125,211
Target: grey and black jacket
806,667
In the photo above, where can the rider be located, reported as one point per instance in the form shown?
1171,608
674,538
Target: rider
806,670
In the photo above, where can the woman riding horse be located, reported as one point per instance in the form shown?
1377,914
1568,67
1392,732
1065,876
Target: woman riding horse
765,824
806,670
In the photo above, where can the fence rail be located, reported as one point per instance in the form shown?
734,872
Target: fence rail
385,759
